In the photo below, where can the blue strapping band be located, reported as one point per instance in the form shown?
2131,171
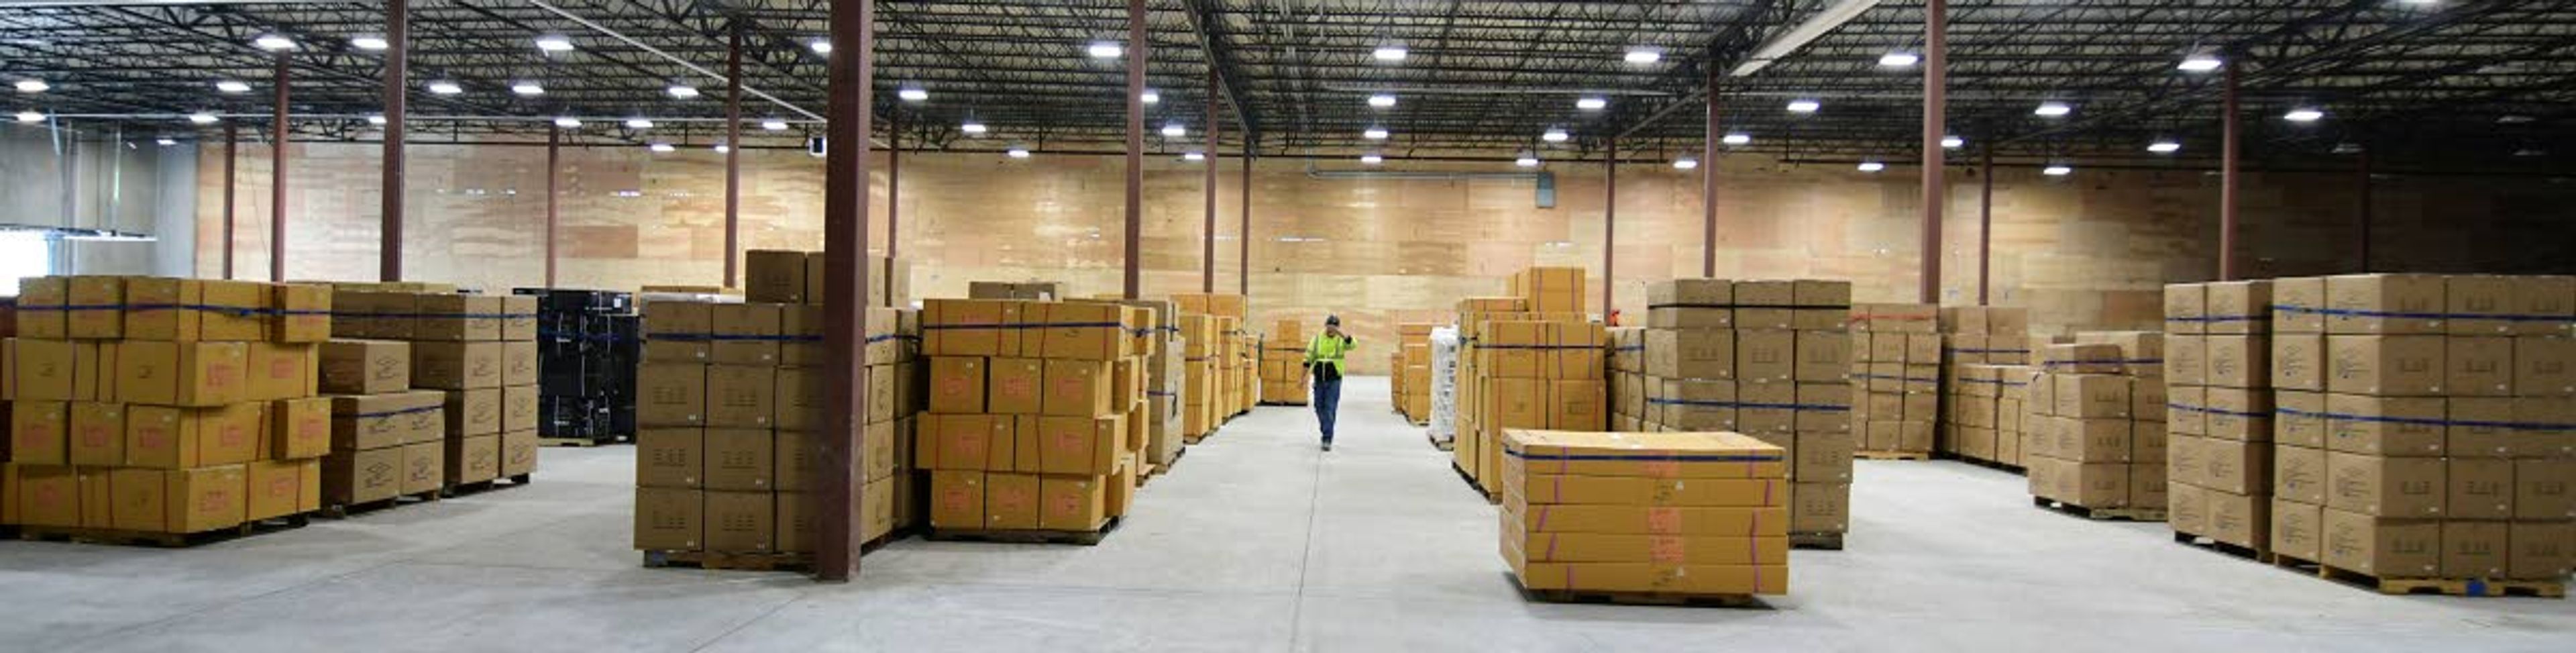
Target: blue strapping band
2221,318
2355,312
2215,411
2421,421
405,411
1822,408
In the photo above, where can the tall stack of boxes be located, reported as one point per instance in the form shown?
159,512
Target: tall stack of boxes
1667,514
1983,410
587,348
1896,378
1037,413
731,399
1412,368
2436,418
1201,346
1165,376
1627,377
1469,446
1283,364
2221,448
1523,368
477,352
2094,429
1769,359
144,405
1243,378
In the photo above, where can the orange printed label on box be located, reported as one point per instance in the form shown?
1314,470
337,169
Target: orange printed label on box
1663,521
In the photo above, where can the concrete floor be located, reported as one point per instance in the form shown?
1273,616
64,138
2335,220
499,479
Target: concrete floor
1255,542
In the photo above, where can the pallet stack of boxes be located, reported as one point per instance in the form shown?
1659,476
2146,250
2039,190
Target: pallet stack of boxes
2220,448
1283,364
1896,378
1199,402
1672,515
1037,414
1627,379
1244,390
1219,355
1771,360
2094,429
587,350
1468,447
1412,369
1533,361
2437,419
149,408
478,353
730,399
1164,373
1983,408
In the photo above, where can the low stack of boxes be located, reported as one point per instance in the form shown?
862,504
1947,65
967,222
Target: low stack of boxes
1412,370
2438,423
2220,450
1983,412
1550,289
1627,388
587,350
1037,415
2094,425
1666,514
1896,378
478,352
1771,360
1283,365
143,406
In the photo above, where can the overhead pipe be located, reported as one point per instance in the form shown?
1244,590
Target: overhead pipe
684,63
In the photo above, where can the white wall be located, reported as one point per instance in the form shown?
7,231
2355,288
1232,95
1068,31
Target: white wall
96,177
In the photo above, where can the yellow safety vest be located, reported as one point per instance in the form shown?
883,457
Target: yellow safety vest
1326,348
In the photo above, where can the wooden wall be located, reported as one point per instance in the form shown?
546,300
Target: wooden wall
2085,251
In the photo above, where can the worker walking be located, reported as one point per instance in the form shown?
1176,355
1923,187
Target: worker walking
1324,359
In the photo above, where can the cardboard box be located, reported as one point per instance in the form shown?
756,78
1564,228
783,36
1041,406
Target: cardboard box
1073,503
40,303
1522,486
2385,304
2478,304
1012,501
1077,388
40,433
2298,529
518,363
957,384
2187,360
1691,353
1655,577
472,412
1690,304
794,514
179,374
2299,474
519,407
1823,356
163,437
473,459
739,460
304,313
519,318
2298,305
2238,519
1766,356
957,499
2239,306
518,453
744,334
362,476
2542,489
879,455
2387,365
1819,508
424,467
2536,296
457,318
2394,548
2236,361
1080,445
1015,386
2300,362
456,365
365,367
2091,395
2240,415
2092,358
774,276
2391,426
2542,367
2235,467
282,371
671,394
2541,550
1645,454
2299,419
670,457
1667,549
244,321
299,428
386,420
62,370
94,434
92,307
2478,488
2386,487
669,519
741,396
678,331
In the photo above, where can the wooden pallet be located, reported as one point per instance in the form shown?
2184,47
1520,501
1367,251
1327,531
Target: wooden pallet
121,537
345,511
1642,598
479,487
1980,462
1284,403
1451,445
2547,589
2100,514
721,561
1892,455
2206,542
1024,536
585,442
1825,541
1489,495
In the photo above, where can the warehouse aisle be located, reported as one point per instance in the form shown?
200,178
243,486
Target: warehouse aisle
1256,542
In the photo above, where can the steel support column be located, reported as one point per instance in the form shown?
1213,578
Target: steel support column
894,195
397,107
277,179
232,139
1609,227
845,271
2227,177
1708,182
2363,208
1936,57
733,159
554,173
1207,183
1985,223
1136,52
1243,232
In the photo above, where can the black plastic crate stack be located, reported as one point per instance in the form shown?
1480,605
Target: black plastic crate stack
587,347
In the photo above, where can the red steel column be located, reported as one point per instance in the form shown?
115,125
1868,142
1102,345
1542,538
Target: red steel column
894,190
845,250
1609,227
1936,57
397,106
1136,48
733,159
1243,232
1985,223
277,180
2364,209
2227,179
232,138
554,172
1708,183
1207,233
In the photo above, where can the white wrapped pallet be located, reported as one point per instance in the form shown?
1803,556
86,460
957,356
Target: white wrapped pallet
1444,384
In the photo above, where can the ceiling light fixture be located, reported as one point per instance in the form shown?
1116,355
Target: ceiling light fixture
1953,142
527,88
1375,133
568,122
202,118
376,119
912,94
1371,159
2508,119
1017,152
1193,156
1174,130
1872,166
2530,151
274,42
682,91
2052,109
554,43
1389,53
2057,171
723,148
369,43
2199,63
971,127
1150,96
1381,100
39,86
659,146
639,123
1553,135
165,141
1685,163
2164,147
1736,139
1804,106
1526,161
1898,59
232,86
819,46
2304,114
444,87
30,116
774,124
1644,56
1104,50
1591,103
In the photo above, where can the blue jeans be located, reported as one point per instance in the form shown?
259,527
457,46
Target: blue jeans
1328,399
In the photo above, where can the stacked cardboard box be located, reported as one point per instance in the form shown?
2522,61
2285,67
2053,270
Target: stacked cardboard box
1983,410
2436,420
478,353
1521,369
1896,378
1771,360
1669,514
2094,429
1627,389
1411,366
2219,418
1164,383
163,406
1243,376
1986,335
1283,365
1037,415
1202,348
1550,290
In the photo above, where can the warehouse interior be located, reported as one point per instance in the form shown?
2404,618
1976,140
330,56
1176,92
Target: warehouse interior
1234,172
